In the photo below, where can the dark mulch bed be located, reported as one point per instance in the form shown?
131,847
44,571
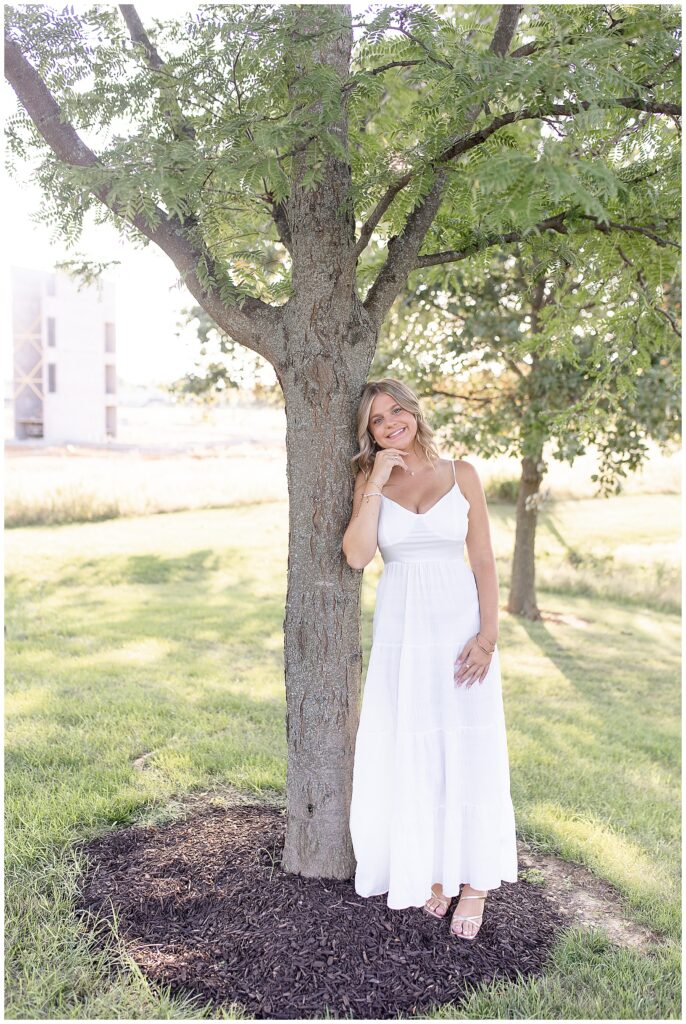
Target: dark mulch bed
205,908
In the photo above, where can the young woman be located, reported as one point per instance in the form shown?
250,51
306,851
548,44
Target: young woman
431,807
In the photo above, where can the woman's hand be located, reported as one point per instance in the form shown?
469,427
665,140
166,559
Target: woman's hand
473,664
384,461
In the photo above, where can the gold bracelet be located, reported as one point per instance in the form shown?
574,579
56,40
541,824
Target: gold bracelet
485,649
369,494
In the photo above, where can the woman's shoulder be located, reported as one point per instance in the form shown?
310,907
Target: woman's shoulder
465,469
468,479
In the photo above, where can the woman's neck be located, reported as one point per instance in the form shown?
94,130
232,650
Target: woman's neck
417,462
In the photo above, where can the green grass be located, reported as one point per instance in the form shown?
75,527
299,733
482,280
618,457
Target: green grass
162,635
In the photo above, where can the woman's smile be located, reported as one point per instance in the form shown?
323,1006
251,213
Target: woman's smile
396,433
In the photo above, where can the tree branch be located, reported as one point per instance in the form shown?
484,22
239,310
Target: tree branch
277,211
403,249
530,48
556,223
479,244
155,63
393,64
513,366
180,126
662,242
506,28
402,252
421,45
468,142
465,398
253,324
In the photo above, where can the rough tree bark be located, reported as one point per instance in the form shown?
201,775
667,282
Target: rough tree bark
329,345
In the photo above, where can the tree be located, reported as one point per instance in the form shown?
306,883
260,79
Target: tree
522,385
360,159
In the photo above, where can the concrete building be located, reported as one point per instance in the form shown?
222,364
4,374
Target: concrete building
65,384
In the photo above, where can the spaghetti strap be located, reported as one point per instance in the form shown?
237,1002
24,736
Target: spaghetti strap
454,473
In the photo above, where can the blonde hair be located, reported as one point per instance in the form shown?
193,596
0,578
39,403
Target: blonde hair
409,401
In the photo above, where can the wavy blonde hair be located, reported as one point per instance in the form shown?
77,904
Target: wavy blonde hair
409,401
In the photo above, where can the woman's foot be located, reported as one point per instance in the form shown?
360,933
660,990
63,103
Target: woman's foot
438,904
468,913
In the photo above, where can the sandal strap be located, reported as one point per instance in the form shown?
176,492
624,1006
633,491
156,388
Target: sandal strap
477,919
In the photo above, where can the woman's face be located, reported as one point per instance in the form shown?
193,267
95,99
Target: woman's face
390,425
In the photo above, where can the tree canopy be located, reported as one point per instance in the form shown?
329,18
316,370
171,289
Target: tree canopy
201,141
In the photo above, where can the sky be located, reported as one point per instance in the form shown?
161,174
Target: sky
148,305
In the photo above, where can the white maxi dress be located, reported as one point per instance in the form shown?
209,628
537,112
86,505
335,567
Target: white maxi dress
431,783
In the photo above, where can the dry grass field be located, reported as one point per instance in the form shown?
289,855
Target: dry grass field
173,457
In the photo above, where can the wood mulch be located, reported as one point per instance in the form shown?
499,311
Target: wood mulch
204,907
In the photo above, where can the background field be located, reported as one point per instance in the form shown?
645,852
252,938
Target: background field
145,661
171,457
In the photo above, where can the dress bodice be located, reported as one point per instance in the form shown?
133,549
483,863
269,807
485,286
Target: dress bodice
436,535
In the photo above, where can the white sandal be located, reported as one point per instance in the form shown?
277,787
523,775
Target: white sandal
465,917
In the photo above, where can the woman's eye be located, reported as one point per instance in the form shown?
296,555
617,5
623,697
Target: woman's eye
375,422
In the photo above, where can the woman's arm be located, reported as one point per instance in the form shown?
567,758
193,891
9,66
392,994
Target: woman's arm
480,549
360,538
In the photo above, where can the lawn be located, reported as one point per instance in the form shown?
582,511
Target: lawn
161,636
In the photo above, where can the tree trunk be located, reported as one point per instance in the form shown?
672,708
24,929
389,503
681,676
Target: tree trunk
328,345
322,651
522,599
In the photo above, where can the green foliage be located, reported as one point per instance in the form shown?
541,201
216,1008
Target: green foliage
598,363
86,273
210,137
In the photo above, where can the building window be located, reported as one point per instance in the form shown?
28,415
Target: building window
110,380
51,331
111,420
52,377
109,337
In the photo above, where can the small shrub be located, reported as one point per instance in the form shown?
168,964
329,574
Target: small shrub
503,489
63,505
